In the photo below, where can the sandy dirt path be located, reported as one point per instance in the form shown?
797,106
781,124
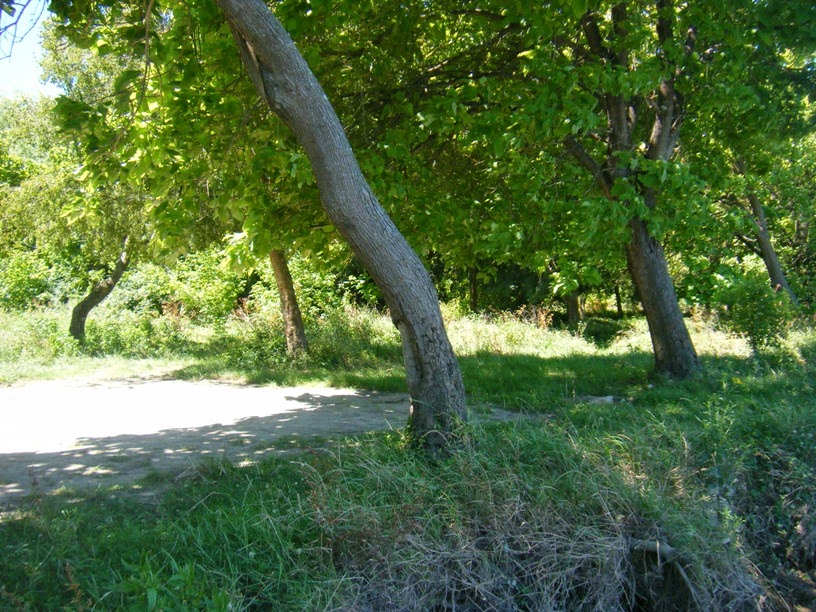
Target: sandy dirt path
83,434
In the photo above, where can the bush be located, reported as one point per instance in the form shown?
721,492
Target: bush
143,289
319,293
352,337
131,334
205,288
24,280
752,308
255,342
41,336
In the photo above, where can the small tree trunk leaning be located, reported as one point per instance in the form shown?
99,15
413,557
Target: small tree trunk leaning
285,82
98,293
766,249
674,353
292,321
575,310
777,276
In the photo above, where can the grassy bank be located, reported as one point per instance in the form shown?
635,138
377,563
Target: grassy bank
673,496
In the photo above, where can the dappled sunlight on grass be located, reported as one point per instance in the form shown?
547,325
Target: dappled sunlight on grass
603,464
509,336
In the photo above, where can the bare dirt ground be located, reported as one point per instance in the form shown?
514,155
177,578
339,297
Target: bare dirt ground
83,434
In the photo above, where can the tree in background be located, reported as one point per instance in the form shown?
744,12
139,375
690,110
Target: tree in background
562,140
51,211
433,375
747,127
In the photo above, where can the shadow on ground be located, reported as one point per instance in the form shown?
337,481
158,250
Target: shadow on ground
80,436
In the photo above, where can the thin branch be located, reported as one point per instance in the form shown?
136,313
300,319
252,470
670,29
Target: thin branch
12,26
146,55
749,243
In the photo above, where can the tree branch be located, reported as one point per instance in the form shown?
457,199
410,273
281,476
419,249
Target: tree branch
589,24
751,244
588,163
6,9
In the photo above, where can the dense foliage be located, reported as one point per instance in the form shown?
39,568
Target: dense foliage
522,149
479,128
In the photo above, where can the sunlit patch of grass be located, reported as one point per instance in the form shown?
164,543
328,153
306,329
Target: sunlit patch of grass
507,335
561,509
91,368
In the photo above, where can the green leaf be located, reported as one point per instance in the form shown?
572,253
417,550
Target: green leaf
152,597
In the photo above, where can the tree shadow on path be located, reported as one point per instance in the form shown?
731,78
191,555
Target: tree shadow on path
256,422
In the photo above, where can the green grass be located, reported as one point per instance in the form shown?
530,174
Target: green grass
348,347
560,510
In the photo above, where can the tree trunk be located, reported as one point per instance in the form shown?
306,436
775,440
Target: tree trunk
575,310
473,288
98,293
673,350
766,249
777,276
618,302
286,83
292,321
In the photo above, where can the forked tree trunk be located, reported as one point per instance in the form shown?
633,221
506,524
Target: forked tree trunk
98,293
292,321
286,83
674,353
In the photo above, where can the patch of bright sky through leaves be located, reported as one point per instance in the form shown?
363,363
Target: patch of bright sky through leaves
20,52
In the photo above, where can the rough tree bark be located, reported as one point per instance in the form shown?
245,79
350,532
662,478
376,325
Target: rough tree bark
673,349
98,293
292,321
285,82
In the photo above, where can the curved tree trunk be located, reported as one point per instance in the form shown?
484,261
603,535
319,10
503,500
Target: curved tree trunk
98,293
674,353
292,321
286,83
